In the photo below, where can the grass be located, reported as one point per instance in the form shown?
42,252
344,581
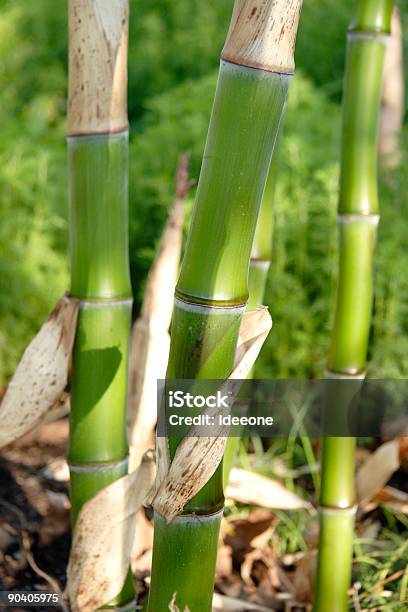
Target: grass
380,568
380,574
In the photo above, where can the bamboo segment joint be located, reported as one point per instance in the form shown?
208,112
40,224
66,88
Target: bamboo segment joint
366,35
195,517
262,34
98,136
339,510
260,263
202,307
102,302
106,466
344,375
356,218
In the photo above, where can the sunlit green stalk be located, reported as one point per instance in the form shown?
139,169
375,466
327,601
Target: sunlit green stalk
358,218
98,203
212,291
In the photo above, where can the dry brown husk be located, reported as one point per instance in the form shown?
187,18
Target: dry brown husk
197,458
41,375
150,337
375,472
251,488
103,539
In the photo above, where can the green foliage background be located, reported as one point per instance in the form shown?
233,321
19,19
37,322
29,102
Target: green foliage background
174,51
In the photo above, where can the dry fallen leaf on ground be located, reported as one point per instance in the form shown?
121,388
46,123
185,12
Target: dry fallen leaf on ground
393,498
242,534
375,472
250,488
304,576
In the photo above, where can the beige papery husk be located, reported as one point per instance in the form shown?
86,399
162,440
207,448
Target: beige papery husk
105,529
103,539
150,342
197,457
41,375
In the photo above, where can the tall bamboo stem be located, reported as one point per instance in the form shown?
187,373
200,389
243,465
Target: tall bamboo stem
98,202
212,292
358,219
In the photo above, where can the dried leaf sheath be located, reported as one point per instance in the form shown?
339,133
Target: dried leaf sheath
103,539
197,458
97,101
150,338
42,373
263,34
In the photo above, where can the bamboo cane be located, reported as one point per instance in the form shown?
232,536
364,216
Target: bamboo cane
98,194
211,293
358,219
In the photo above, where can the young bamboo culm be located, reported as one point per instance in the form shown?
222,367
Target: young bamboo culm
211,293
358,219
98,202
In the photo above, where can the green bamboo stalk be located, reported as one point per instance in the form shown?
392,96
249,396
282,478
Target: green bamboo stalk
259,265
98,202
211,293
358,219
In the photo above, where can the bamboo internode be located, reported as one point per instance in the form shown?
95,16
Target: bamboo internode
373,16
98,47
